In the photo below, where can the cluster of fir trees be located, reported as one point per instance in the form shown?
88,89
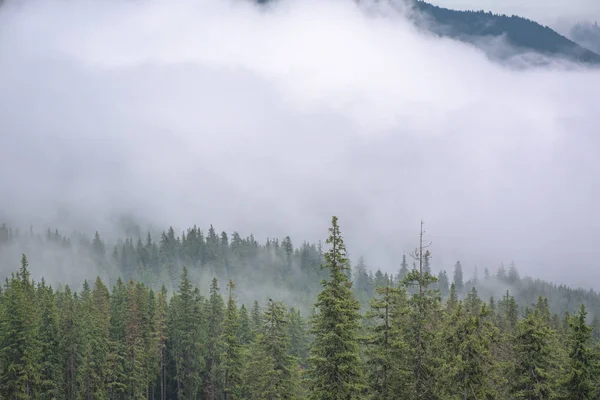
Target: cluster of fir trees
132,343
272,264
276,266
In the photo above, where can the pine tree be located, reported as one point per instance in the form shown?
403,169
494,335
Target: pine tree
213,375
470,366
116,376
362,283
20,348
49,335
336,369
388,374
473,302
582,373
93,345
535,370
232,351
134,344
160,337
271,373
423,310
298,335
245,329
443,284
452,301
458,277
403,269
256,318
186,333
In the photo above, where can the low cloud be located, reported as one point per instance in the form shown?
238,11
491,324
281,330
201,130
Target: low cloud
269,120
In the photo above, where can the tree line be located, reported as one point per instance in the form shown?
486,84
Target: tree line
290,271
132,342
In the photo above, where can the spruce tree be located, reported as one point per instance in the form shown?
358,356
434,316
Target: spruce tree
160,337
20,348
298,335
582,372
421,326
336,368
50,361
458,277
388,373
469,368
535,370
245,329
93,342
232,351
215,316
187,336
276,341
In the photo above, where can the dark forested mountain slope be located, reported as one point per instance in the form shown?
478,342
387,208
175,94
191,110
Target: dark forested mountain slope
525,35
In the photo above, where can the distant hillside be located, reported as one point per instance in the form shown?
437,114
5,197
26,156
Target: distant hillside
586,34
523,34
482,29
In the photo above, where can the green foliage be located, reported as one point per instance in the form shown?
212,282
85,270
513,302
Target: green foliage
232,350
336,368
388,375
582,372
536,369
186,333
271,372
132,343
469,367
20,347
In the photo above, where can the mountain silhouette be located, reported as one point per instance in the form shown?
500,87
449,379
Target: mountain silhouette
521,34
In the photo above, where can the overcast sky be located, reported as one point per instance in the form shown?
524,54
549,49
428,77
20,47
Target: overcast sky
200,112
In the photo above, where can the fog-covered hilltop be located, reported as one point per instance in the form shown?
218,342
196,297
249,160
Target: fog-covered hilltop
502,37
521,35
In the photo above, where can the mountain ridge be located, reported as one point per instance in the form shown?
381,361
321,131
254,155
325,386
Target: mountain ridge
522,34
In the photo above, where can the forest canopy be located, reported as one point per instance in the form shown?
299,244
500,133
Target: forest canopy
362,335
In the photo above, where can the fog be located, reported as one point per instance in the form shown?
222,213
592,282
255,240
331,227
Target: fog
269,121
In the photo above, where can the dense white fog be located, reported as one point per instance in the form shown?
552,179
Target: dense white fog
271,120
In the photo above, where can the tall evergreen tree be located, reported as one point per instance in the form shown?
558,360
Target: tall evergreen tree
582,373
20,347
49,335
388,373
423,310
297,332
469,368
215,316
336,370
160,337
232,351
536,369
458,277
187,336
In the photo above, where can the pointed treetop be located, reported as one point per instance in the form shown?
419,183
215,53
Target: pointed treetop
336,258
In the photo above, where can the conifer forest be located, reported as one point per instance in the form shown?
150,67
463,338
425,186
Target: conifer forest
341,332
299,200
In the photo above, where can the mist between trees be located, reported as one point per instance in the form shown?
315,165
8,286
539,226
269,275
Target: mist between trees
213,316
